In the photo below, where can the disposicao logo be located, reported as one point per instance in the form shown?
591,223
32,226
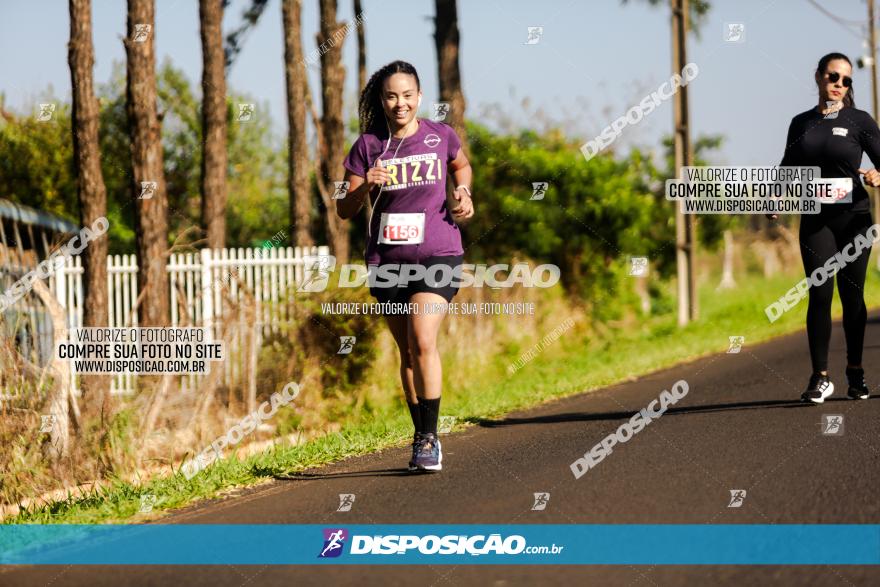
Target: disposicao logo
334,541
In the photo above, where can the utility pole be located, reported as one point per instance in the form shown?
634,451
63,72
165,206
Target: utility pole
872,61
685,224
872,42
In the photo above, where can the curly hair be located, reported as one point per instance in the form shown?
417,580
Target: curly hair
370,110
850,98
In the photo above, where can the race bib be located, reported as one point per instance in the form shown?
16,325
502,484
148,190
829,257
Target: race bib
402,228
833,190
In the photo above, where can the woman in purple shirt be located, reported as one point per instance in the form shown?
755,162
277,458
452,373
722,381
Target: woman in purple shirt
402,163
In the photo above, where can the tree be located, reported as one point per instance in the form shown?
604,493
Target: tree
91,191
148,181
449,74
214,155
697,11
362,47
330,37
683,11
588,236
36,161
362,78
298,185
37,165
235,39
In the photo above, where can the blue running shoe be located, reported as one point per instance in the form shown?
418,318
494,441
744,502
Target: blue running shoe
415,451
428,454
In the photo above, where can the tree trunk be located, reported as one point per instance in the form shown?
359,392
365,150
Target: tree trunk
641,288
727,280
59,398
766,252
298,185
91,191
362,47
151,217
213,123
362,79
449,75
332,153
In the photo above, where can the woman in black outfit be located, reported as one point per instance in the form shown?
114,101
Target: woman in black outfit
833,136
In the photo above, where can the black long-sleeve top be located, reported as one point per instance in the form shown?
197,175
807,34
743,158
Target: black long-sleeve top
836,146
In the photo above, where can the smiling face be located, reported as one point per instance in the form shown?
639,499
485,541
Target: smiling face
834,90
400,98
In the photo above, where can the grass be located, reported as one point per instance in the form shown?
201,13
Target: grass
574,363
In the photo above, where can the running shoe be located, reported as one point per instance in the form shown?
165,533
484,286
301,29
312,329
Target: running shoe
857,387
428,456
415,451
820,387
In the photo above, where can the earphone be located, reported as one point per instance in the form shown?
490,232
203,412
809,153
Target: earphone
381,187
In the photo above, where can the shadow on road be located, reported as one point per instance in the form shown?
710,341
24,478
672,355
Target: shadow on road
566,417
369,473
584,417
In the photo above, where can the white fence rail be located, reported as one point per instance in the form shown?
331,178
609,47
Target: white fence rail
205,289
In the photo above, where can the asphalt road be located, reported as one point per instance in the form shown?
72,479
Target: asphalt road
741,426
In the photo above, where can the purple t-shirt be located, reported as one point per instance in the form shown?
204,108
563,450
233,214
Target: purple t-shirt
417,184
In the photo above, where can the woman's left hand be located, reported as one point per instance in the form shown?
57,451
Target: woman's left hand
872,177
464,208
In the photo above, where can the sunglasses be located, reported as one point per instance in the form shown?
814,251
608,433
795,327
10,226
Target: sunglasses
833,76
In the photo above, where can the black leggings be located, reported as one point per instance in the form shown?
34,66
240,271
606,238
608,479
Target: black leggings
821,237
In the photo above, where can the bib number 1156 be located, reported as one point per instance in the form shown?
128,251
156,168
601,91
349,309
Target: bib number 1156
402,228
405,232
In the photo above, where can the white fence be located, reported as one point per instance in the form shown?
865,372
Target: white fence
206,289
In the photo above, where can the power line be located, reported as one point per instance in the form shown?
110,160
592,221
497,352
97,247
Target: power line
846,24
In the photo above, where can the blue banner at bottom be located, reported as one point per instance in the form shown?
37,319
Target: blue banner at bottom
522,544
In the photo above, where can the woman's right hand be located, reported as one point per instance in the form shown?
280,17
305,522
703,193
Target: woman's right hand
377,175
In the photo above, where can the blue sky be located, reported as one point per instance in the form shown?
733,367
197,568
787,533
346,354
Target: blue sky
596,59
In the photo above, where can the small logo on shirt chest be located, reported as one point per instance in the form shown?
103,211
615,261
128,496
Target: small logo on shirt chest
839,131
